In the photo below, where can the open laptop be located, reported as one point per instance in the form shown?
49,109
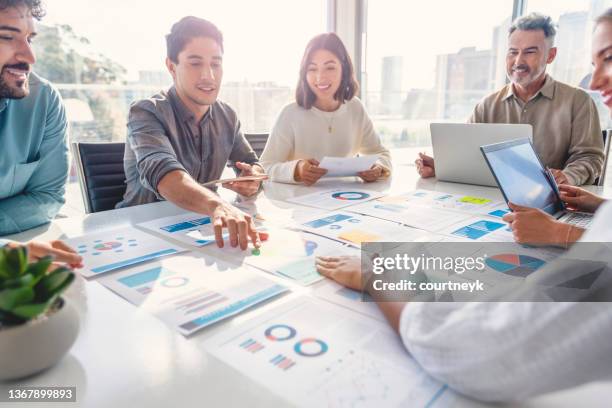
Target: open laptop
523,180
456,148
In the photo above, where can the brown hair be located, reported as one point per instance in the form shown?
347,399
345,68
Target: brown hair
348,84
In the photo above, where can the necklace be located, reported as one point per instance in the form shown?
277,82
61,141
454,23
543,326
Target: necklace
330,122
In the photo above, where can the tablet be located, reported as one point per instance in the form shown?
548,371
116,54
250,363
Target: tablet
521,176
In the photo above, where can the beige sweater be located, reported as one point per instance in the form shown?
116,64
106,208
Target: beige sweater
566,132
304,134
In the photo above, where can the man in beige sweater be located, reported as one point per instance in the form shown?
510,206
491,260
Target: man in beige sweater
566,130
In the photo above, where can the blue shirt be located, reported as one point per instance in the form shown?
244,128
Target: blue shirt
33,157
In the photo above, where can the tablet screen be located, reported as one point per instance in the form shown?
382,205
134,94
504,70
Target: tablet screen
521,177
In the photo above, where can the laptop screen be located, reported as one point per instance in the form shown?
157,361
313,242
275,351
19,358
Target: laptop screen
521,176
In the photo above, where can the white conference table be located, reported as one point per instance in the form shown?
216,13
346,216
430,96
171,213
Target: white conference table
125,357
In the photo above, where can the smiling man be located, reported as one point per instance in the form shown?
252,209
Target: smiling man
183,137
566,131
33,153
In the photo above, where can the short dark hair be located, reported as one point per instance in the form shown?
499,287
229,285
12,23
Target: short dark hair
187,29
35,6
348,85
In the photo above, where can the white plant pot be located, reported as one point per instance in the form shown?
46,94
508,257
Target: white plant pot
38,344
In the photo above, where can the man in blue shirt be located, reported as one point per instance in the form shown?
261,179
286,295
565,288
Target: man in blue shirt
33,126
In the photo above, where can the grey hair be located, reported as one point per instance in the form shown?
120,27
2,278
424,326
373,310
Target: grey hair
535,21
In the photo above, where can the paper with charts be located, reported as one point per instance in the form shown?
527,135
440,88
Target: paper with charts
188,293
190,228
481,229
452,202
314,353
285,253
425,218
114,249
335,199
355,229
347,166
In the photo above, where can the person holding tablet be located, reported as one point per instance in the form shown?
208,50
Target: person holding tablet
508,351
327,119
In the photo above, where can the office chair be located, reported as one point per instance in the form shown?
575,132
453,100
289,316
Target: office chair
257,141
101,174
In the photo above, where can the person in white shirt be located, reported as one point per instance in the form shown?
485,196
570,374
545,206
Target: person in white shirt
510,350
327,119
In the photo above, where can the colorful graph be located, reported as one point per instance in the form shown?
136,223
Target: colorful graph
310,347
350,195
514,264
282,362
280,332
252,346
310,247
478,229
499,213
99,246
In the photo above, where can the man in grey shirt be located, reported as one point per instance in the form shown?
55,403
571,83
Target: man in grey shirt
184,137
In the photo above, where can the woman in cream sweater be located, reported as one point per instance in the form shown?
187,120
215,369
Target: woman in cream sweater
326,120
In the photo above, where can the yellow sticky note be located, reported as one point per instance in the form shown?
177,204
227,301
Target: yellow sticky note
358,236
474,200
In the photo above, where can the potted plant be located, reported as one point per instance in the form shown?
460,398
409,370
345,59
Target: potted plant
37,326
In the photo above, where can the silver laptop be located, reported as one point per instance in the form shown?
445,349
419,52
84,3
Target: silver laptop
456,148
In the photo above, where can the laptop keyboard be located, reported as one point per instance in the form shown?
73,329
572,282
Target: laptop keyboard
579,220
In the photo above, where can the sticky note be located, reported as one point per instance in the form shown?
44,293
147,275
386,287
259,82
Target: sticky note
474,200
358,236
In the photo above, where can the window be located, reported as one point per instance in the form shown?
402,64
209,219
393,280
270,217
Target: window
102,56
575,24
431,63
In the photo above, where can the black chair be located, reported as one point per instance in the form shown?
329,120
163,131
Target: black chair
101,174
257,141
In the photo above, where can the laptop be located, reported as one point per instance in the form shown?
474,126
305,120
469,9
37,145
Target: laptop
456,148
525,181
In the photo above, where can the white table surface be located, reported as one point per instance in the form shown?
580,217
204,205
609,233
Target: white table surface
124,357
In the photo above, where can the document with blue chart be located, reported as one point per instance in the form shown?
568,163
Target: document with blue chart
115,249
314,353
191,292
354,228
190,228
335,199
483,229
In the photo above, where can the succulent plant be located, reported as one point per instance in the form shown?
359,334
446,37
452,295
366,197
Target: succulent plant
28,290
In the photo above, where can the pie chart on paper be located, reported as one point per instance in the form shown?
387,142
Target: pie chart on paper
514,264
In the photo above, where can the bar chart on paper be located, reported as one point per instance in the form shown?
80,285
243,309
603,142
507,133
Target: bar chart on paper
355,229
188,294
114,249
318,354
